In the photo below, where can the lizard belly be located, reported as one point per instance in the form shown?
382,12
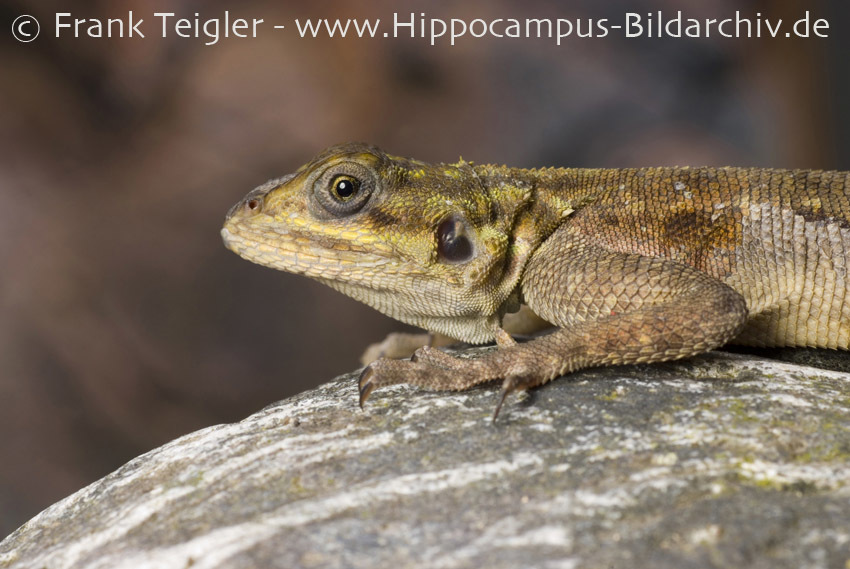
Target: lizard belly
793,275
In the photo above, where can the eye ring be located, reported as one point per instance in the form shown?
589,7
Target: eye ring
343,188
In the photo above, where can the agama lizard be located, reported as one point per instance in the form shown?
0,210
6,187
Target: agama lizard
631,265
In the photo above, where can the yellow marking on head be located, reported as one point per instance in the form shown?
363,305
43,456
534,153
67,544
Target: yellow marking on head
298,220
381,247
453,173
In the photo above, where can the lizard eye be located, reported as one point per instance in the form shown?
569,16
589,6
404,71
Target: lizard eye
452,243
344,188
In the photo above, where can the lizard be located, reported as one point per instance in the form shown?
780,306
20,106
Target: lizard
634,265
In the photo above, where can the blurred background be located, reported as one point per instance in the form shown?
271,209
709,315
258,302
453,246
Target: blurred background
124,322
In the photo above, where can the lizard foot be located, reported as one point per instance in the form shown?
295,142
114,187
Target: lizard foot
437,358
428,368
399,345
432,369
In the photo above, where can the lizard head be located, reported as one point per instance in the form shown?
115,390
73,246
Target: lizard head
426,244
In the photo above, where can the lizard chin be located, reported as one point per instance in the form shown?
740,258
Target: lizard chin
227,237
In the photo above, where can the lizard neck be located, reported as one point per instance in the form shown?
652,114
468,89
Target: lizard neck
548,195
532,203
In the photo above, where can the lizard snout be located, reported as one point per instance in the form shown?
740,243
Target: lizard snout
250,204
255,200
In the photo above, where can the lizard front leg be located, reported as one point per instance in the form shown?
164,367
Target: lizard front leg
612,308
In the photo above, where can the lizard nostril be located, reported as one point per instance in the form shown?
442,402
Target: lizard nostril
253,204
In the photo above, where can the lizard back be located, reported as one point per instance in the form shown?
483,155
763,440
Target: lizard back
781,238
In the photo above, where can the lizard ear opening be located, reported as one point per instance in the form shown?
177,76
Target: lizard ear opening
344,188
453,244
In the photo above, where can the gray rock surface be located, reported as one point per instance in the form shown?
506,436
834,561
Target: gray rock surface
721,461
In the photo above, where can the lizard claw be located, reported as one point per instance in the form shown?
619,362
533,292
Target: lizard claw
501,401
383,372
509,385
365,384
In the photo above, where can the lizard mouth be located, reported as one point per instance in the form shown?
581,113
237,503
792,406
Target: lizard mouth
293,251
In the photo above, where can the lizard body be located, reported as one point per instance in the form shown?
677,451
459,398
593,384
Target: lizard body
631,265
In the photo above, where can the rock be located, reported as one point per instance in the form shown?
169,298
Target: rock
722,460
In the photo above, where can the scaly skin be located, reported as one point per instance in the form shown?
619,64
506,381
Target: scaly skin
632,265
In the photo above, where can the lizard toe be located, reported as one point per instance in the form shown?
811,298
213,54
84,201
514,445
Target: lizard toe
436,358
